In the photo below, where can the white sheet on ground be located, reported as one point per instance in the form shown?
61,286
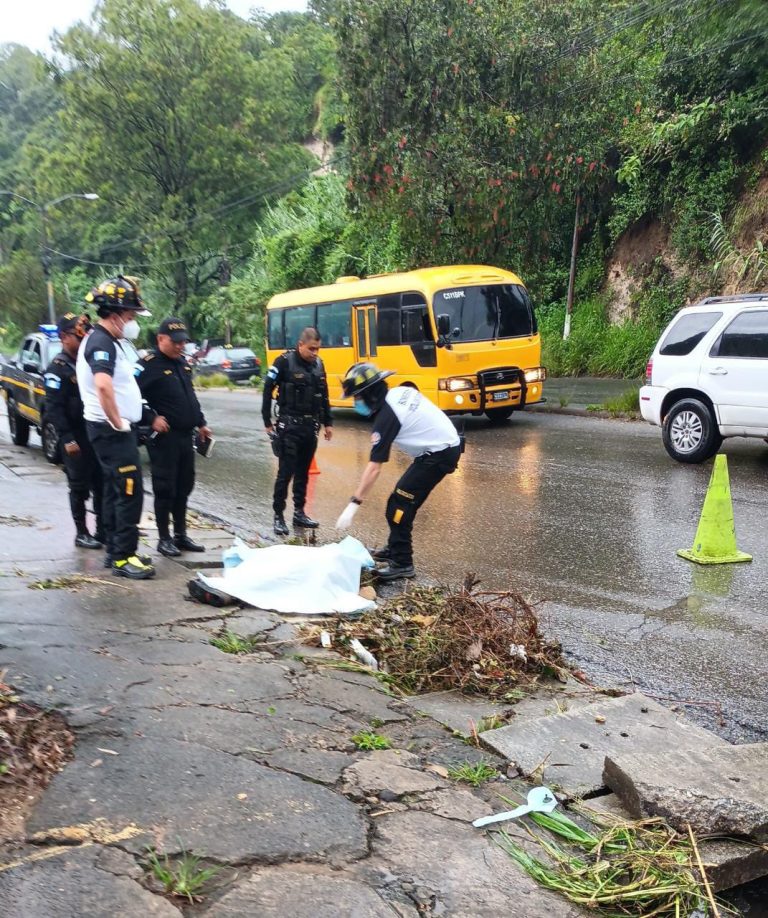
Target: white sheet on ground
298,579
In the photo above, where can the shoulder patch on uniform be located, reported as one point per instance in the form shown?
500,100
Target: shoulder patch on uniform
375,439
148,357
52,381
273,372
101,355
168,372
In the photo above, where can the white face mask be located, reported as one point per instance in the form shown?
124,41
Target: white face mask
131,330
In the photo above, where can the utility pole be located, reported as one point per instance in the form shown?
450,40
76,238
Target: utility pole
572,275
45,260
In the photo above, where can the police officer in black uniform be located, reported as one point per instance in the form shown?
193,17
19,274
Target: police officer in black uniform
165,381
303,407
64,409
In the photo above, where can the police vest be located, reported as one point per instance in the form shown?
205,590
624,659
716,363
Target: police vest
301,390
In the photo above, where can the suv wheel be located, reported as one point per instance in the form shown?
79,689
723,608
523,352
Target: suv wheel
18,425
690,431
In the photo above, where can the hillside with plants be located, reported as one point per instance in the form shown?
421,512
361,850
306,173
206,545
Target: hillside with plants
459,131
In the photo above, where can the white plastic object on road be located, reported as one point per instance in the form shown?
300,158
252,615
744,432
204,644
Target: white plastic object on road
518,652
299,579
365,656
348,514
540,800
325,639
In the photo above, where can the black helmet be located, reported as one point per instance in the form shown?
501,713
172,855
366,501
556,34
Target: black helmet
362,376
116,294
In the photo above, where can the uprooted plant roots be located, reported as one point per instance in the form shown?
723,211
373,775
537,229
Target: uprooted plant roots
479,642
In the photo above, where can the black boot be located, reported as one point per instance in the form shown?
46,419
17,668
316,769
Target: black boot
394,572
302,521
380,554
85,540
166,547
281,527
184,543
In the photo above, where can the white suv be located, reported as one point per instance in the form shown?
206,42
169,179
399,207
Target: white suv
708,376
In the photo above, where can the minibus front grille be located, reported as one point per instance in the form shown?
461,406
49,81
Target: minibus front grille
503,376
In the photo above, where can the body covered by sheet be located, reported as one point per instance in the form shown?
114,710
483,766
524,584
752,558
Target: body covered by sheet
298,579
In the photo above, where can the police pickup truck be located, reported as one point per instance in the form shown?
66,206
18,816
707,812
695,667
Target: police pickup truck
22,386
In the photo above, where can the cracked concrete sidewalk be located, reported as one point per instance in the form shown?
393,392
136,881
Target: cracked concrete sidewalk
247,762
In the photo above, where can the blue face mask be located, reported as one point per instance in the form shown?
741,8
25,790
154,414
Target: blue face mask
362,408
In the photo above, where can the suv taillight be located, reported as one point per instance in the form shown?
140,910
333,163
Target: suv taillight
648,372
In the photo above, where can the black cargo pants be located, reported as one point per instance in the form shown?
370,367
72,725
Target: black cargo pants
172,456
297,442
413,488
118,455
84,478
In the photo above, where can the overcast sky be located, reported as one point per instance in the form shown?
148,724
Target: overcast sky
30,22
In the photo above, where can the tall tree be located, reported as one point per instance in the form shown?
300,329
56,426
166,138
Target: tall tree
164,103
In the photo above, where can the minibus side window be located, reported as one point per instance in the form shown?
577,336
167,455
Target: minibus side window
275,330
296,320
334,322
388,319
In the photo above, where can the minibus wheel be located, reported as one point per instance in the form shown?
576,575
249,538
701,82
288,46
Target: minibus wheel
498,415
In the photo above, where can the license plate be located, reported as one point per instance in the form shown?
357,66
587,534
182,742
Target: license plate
500,396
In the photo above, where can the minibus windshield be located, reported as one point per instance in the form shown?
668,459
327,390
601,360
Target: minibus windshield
486,313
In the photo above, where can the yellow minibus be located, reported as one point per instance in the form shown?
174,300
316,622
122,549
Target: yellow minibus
465,336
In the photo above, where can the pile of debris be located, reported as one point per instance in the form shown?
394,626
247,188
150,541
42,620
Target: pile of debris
34,745
428,639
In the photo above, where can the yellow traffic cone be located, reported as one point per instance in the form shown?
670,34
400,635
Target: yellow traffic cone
313,469
715,541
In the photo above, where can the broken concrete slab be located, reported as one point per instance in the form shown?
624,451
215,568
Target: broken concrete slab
460,713
566,751
720,790
455,803
322,765
368,702
181,795
389,771
277,891
79,882
437,872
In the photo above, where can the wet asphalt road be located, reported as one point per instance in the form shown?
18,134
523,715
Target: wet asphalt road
583,513
580,513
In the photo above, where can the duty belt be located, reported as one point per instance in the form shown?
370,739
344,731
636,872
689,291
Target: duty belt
298,419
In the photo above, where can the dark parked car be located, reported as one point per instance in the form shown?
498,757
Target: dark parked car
236,363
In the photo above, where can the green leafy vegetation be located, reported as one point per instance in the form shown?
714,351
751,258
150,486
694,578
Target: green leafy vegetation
446,136
229,642
183,877
214,381
474,773
367,742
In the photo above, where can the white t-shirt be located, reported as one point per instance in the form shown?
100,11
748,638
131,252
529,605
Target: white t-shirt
411,422
101,352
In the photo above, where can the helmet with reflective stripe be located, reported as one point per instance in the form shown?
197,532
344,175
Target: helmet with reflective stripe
362,376
116,294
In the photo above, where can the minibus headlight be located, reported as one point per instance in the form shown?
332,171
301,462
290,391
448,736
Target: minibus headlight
537,374
456,384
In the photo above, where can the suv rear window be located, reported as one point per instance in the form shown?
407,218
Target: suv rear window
684,335
746,336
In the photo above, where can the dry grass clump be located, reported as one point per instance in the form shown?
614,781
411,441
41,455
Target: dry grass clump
480,642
